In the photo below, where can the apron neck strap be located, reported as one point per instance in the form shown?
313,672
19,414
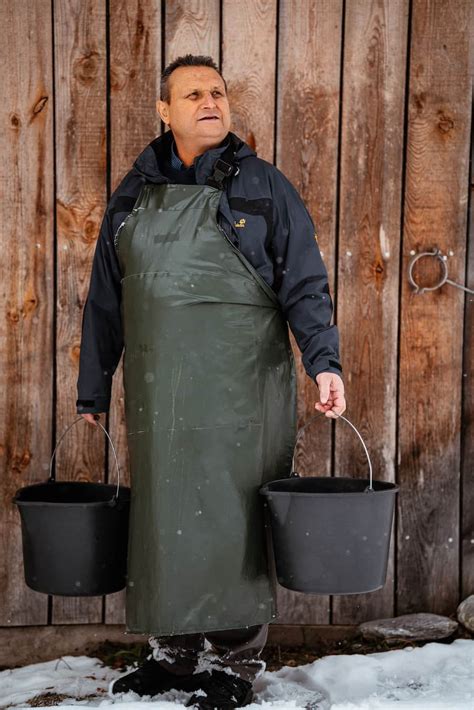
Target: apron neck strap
225,166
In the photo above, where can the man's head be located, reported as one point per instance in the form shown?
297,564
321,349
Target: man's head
191,89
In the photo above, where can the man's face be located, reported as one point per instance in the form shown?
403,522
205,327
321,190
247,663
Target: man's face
196,92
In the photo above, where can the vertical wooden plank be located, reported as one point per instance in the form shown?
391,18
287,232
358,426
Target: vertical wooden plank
375,47
431,323
248,64
467,426
135,68
80,84
26,322
192,27
309,51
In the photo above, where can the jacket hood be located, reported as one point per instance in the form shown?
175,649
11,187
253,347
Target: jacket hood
148,163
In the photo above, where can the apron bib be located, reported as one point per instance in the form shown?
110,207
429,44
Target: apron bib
210,407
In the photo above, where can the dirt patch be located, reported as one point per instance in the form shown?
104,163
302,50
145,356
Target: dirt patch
47,700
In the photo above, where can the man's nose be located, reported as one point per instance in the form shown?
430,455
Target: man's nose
209,100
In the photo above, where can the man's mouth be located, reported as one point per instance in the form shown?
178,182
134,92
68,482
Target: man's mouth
209,118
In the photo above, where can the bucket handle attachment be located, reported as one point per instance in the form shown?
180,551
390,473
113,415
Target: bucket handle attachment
295,473
51,479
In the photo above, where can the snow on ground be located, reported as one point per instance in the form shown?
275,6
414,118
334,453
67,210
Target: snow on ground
436,676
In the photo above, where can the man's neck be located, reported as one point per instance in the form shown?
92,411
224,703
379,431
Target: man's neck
188,154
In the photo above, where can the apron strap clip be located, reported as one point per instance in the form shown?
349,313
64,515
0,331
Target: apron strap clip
222,170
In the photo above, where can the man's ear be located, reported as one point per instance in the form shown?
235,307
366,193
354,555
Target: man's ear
162,111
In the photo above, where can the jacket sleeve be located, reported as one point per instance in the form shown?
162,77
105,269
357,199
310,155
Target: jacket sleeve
102,338
301,280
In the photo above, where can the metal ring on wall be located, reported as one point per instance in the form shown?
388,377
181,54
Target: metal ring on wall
444,277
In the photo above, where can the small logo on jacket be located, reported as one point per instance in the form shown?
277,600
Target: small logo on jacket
240,223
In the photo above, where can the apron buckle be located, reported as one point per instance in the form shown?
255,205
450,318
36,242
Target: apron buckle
222,170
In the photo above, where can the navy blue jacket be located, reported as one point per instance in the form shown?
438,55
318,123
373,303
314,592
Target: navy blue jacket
261,213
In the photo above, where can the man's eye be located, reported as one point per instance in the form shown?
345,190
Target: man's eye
194,93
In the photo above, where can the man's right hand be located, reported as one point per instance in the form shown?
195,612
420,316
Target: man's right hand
91,418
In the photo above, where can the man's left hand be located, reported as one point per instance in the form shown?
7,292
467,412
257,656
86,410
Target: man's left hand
331,394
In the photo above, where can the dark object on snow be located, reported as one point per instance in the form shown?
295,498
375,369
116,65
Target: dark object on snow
330,535
74,534
222,690
151,678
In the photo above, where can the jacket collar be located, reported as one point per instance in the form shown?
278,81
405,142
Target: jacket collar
150,159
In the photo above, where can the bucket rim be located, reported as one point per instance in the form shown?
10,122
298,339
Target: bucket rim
17,500
335,594
393,487
53,504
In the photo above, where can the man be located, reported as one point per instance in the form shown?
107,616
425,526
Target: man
205,253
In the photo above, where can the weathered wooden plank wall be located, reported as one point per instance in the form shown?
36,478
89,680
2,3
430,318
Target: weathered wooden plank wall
375,41
366,107
81,195
27,287
431,324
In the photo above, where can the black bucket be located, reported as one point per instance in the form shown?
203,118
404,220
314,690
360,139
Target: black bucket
330,535
74,534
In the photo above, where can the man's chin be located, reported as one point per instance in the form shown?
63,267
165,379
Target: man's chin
206,129
212,138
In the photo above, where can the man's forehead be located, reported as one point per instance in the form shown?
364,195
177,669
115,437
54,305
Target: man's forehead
192,78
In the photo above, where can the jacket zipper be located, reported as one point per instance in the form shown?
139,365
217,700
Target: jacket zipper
225,235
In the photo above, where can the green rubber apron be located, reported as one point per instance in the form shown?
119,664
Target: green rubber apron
210,406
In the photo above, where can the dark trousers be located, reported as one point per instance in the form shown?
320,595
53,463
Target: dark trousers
237,649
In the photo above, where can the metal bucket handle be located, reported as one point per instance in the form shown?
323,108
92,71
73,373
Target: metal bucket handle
300,431
51,479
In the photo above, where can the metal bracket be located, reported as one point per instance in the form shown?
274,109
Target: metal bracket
444,278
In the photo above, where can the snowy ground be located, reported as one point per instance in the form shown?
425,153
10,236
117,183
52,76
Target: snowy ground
434,677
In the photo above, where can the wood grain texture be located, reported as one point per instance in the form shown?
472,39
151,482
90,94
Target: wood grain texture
192,27
81,139
431,325
135,68
307,153
467,425
249,35
375,48
27,287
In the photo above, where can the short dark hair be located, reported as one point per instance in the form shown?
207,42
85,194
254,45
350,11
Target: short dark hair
187,60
